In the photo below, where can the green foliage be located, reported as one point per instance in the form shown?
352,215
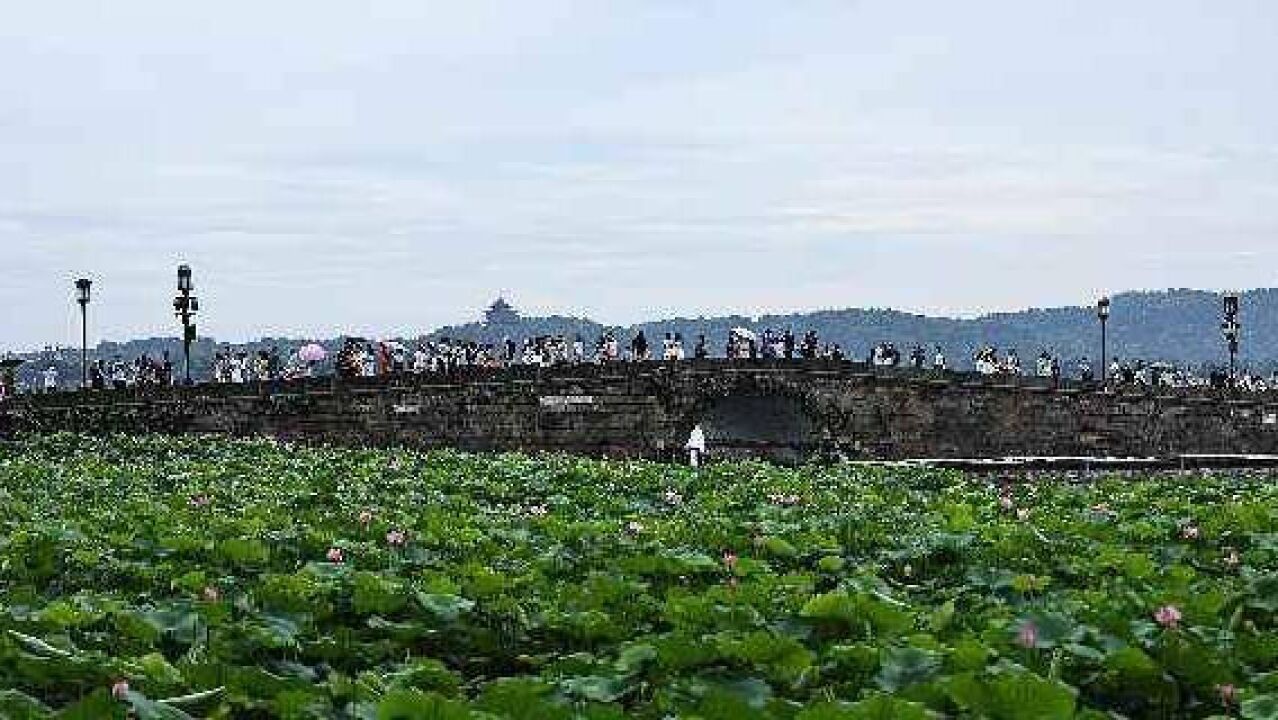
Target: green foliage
884,594
1012,696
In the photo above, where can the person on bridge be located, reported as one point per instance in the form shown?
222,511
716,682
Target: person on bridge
1043,366
696,445
639,347
917,357
701,351
51,379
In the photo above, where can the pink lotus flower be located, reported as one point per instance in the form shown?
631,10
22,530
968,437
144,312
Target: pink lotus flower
1189,532
365,517
335,555
1027,636
211,594
200,500
396,538
120,689
1006,503
1232,559
1168,616
1022,514
1228,694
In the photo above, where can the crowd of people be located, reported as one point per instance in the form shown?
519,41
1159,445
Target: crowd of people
119,373
776,345
359,357
258,366
363,358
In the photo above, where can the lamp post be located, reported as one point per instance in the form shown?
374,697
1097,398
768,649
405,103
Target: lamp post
83,292
1230,328
185,306
1102,314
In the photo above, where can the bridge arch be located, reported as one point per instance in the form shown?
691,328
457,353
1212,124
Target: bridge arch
750,415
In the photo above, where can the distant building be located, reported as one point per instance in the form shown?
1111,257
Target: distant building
501,313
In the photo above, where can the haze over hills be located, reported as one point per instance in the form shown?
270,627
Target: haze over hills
1179,326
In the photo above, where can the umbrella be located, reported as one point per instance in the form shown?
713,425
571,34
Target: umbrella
312,353
745,333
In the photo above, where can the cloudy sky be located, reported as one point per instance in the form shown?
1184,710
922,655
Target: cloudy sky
391,165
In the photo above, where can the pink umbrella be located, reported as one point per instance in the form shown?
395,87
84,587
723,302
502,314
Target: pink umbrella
312,353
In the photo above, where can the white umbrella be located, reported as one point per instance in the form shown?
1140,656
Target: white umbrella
745,333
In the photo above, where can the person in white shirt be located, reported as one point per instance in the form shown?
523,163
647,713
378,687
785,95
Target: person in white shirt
1044,368
696,446
51,379
421,360
938,360
1013,364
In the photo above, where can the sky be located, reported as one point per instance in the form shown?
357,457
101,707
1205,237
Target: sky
389,166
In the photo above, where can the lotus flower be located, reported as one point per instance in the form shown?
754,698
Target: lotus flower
120,689
365,517
1006,503
1189,532
538,511
211,594
1168,616
396,538
200,500
1027,636
1022,514
673,498
1228,694
335,555
634,527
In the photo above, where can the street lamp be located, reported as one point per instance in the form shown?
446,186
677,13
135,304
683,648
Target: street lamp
1230,328
185,306
1102,313
83,292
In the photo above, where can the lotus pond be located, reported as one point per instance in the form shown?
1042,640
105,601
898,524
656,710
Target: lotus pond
183,577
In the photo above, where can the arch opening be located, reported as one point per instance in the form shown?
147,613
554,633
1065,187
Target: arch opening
774,427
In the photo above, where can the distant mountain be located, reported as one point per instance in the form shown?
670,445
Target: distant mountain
1177,326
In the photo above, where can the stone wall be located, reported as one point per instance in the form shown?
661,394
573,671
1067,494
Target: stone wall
782,410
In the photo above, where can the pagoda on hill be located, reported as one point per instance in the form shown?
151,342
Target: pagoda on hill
501,313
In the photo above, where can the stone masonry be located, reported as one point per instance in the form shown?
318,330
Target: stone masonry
785,410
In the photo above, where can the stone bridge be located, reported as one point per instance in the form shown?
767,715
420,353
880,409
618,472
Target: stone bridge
781,410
